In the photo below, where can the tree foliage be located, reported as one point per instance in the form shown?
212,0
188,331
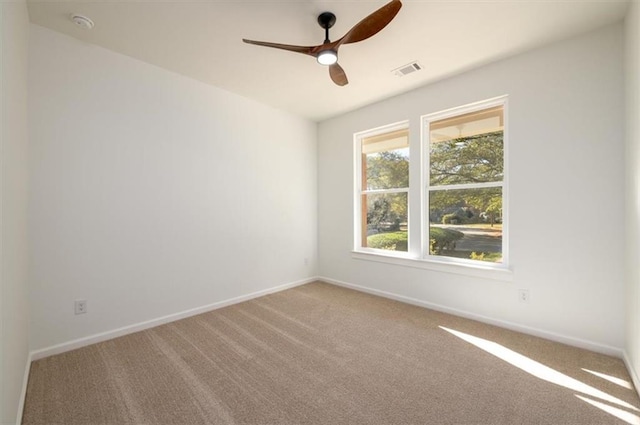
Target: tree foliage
387,170
465,160
466,205
386,211
474,159
468,160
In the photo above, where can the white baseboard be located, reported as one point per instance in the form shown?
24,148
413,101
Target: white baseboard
575,342
23,394
632,371
104,336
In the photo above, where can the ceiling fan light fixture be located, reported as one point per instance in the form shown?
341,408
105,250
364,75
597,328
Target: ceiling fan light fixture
327,52
327,57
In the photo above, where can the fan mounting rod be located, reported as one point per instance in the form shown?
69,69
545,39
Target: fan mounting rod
326,21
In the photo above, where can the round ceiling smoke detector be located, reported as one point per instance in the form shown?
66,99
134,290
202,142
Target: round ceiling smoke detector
82,21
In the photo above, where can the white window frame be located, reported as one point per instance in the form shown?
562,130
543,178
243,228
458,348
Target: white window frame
359,191
419,256
426,148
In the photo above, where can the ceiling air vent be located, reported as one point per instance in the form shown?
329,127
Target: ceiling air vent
407,69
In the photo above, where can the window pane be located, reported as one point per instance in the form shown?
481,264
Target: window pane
385,161
466,223
384,218
467,148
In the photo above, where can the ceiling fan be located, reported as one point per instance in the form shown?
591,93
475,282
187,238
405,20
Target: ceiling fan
327,52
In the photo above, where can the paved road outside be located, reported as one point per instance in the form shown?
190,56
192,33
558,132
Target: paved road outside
477,239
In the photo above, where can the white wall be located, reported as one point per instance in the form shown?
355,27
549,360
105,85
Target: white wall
14,307
566,120
632,90
153,193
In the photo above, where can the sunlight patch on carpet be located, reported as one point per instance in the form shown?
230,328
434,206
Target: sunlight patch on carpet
629,418
612,379
537,369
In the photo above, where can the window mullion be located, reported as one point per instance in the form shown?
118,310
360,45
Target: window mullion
380,191
466,186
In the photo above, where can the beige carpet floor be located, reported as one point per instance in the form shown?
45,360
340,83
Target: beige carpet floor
321,354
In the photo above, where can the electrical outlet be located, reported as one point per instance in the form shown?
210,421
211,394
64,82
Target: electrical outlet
523,295
80,306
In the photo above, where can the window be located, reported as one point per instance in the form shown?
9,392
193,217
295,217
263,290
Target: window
458,215
383,189
465,183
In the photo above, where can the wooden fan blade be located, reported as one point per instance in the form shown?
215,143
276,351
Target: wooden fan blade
337,75
306,50
372,24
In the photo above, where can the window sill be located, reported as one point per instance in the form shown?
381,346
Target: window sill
473,270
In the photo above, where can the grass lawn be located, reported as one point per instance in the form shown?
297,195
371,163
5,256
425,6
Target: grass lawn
397,241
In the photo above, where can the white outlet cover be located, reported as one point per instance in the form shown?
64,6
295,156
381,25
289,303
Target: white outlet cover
80,306
523,295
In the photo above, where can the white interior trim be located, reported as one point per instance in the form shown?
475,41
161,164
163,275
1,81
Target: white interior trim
569,340
23,393
104,336
632,372
446,265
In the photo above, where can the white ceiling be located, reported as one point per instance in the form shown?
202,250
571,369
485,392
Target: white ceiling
202,39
